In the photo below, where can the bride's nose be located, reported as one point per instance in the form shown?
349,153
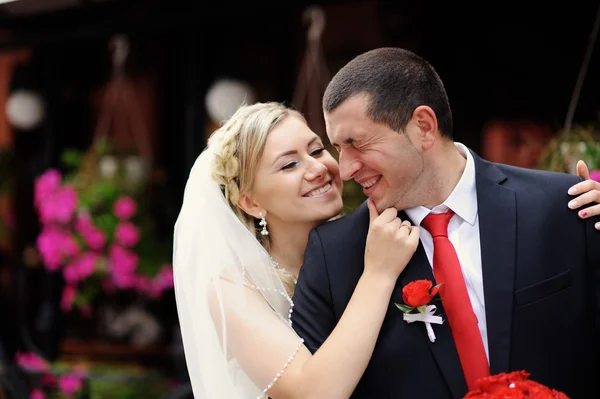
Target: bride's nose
316,170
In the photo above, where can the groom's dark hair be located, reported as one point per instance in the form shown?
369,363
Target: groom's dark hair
397,81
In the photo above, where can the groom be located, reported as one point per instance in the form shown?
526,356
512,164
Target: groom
520,271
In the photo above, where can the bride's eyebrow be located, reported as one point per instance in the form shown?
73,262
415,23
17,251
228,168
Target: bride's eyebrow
313,140
291,152
283,154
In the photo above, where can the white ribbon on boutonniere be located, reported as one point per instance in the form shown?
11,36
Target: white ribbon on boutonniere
417,296
427,316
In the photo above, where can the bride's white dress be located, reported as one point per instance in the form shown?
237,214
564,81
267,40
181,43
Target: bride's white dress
233,310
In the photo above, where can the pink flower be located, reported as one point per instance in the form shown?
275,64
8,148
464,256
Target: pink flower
595,175
94,238
37,394
164,279
69,246
86,264
70,274
58,206
46,184
80,268
83,223
69,384
48,244
54,246
124,280
125,208
144,285
68,297
68,200
153,292
31,361
48,209
122,260
127,234
122,264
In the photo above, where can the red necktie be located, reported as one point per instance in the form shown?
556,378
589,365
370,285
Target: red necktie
456,301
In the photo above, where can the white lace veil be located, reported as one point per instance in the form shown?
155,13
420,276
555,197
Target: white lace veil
211,243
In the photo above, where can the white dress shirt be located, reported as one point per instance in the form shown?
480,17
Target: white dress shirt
463,232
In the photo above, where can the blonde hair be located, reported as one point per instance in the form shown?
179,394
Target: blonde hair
239,146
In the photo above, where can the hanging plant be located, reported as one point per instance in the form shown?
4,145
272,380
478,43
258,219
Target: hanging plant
563,152
97,232
576,142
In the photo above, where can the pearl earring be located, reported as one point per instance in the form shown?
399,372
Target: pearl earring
263,223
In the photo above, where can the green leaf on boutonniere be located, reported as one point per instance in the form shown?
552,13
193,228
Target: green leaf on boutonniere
404,308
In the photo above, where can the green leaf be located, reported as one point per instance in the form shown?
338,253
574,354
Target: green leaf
88,290
71,158
104,191
405,308
102,146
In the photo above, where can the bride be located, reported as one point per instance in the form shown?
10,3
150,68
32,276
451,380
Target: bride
252,197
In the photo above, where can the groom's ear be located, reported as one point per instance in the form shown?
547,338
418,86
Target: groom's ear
427,125
248,205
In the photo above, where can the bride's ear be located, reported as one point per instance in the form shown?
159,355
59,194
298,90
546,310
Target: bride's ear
249,206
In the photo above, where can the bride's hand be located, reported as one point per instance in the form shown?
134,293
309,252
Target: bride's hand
587,193
391,242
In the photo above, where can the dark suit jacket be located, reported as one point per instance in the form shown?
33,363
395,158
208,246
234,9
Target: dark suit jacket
541,275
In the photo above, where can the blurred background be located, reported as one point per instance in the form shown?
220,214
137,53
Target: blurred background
105,105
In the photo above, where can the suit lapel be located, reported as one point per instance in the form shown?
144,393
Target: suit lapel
497,232
443,349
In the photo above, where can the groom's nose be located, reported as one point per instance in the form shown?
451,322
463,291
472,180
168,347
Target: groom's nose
349,165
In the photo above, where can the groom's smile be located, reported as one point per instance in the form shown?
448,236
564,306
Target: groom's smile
369,184
382,160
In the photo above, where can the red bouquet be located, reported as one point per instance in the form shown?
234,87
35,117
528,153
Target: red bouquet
515,385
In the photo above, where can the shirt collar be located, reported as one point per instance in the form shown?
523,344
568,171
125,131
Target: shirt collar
462,200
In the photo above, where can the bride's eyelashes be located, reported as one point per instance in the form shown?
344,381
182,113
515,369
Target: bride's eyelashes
315,153
289,165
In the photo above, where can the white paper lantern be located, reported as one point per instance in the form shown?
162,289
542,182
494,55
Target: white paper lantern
108,166
225,96
25,109
135,170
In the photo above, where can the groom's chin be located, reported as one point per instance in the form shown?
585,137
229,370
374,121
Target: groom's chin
380,204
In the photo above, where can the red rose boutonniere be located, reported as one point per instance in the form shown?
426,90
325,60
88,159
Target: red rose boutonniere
417,297
512,385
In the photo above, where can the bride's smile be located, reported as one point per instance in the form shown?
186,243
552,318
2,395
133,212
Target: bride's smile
297,180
